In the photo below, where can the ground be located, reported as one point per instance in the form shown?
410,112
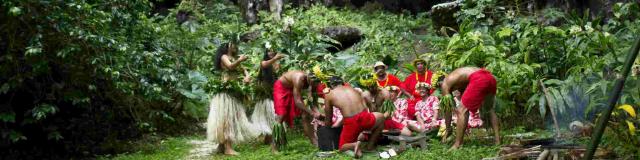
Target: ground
195,147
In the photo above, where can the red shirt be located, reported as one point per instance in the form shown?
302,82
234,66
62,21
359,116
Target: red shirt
411,81
391,80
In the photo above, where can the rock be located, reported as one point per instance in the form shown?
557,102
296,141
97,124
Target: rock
442,16
347,36
250,36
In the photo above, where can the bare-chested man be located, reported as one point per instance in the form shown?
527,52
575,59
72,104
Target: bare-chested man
478,88
287,101
356,118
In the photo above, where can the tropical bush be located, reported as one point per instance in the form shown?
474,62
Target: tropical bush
83,77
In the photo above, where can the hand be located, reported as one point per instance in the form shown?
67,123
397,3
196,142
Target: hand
279,56
242,58
246,79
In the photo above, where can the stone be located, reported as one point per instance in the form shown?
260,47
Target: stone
442,16
347,36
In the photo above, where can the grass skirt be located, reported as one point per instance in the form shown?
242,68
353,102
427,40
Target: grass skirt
228,120
263,117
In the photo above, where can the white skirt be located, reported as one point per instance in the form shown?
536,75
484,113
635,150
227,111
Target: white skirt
228,121
263,117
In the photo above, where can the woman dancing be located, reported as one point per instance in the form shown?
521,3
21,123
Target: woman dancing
264,116
227,122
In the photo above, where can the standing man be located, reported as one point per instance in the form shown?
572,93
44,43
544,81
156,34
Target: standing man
479,90
356,118
287,101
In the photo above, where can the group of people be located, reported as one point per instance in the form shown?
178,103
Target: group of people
357,110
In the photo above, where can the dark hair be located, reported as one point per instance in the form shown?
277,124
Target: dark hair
266,75
335,81
222,50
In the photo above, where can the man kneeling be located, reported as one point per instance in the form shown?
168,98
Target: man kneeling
356,117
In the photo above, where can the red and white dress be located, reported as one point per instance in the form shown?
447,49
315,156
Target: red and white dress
426,109
401,113
399,116
474,120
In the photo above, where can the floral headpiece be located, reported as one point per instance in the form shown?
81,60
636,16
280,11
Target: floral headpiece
423,85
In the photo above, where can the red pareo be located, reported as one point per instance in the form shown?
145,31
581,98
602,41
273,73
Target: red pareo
283,102
354,125
481,84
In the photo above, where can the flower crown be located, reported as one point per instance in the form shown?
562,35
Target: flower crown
423,85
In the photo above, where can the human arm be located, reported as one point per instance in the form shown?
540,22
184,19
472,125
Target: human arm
226,61
247,76
297,96
268,63
328,110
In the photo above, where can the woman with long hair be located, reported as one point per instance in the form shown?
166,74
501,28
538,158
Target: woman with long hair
227,122
264,116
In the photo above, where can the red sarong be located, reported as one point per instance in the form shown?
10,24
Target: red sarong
283,102
392,125
411,108
354,125
481,84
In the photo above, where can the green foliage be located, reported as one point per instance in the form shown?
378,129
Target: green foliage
169,148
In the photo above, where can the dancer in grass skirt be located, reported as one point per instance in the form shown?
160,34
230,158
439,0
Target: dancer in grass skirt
227,122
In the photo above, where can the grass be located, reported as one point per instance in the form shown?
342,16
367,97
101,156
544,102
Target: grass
169,148
300,148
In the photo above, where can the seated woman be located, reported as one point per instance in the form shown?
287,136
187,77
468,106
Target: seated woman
399,119
426,109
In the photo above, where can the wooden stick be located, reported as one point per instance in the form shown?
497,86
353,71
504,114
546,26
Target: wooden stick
514,154
547,96
543,155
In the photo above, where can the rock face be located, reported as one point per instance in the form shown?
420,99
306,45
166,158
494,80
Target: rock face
347,36
442,16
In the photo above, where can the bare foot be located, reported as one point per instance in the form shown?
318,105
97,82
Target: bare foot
358,152
454,147
231,152
274,149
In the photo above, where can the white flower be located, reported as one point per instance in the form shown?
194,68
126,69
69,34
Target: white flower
267,45
606,34
588,28
575,30
288,21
